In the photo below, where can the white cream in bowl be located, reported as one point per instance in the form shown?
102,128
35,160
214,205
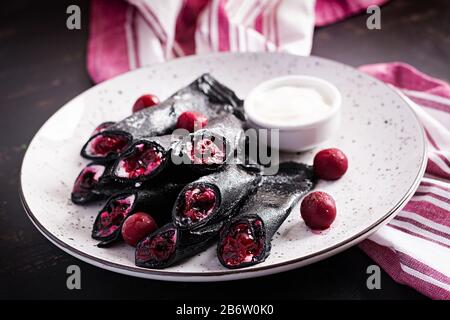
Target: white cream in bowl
305,109
290,105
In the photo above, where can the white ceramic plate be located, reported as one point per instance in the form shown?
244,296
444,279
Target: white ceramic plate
380,134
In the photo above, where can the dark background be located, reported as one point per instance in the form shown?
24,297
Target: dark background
42,66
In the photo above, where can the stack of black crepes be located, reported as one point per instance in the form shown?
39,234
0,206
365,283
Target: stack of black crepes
191,184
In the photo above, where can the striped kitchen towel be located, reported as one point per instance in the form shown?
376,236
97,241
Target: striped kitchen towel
414,248
125,35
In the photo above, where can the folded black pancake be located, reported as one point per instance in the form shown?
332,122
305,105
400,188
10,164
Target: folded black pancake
231,185
224,132
205,95
171,244
220,94
265,211
223,136
157,201
88,188
162,147
177,245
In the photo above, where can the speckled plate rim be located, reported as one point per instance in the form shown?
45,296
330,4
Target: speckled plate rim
234,274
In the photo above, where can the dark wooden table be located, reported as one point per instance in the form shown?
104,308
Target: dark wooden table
42,66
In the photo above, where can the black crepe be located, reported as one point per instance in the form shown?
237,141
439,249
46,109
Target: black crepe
162,144
271,204
97,189
232,184
226,133
156,201
205,95
225,130
187,244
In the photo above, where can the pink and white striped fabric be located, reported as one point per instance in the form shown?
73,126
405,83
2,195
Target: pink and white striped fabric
414,248
129,34
140,32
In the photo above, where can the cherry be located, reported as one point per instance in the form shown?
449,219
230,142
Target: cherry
105,143
137,226
145,101
113,215
240,244
144,159
206,152
318,210
157,247
199,203
191,120
330,164
163,245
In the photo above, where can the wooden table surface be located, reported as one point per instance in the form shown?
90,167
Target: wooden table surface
42,66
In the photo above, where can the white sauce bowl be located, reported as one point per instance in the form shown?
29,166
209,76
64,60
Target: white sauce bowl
305,134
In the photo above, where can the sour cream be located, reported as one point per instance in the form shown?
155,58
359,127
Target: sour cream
290,105
305,111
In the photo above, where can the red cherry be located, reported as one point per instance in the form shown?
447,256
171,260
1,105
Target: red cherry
104,144
145,101
143,160
330,164
137,226
199,203
240,245
191,120
318,210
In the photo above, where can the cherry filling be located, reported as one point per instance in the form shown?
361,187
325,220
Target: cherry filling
205,151
159,247
105,143
142,161
87,180
196,204
243,243
112,216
